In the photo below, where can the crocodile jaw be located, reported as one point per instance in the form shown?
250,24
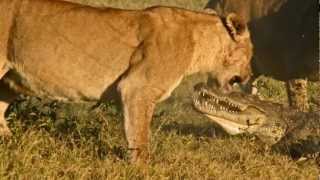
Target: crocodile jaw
234,117
238,114
229,126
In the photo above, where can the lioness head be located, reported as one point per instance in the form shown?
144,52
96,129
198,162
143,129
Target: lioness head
235,66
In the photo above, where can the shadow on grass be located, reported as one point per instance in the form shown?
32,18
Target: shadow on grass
207,130
79,125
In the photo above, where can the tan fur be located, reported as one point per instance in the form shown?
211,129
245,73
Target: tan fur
73,52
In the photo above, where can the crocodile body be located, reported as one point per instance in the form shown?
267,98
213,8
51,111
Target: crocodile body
281,127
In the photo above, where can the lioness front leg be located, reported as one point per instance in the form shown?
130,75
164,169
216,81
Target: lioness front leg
138,108
138,104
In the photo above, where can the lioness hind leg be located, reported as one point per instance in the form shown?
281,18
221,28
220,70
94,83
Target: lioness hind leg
3,68
6,97
4,129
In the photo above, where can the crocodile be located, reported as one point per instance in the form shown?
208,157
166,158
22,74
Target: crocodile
278,126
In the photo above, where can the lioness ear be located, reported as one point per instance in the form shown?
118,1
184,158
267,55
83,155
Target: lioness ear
237,27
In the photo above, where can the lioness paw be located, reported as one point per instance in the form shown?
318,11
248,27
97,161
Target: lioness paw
5,131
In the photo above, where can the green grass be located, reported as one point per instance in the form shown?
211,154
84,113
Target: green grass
75,141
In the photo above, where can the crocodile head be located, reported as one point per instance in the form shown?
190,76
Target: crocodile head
237,113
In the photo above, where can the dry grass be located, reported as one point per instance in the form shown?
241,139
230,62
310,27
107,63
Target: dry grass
61,141
139,4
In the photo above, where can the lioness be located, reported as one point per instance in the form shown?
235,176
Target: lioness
68,51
